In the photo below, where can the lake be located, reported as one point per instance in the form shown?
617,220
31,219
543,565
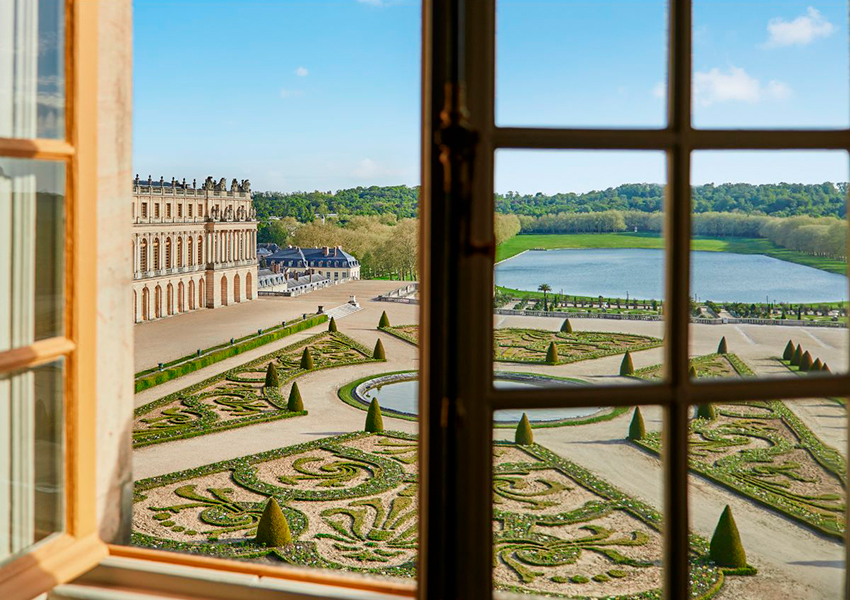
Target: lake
638,272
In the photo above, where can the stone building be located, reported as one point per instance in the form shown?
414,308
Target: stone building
193,247
333,262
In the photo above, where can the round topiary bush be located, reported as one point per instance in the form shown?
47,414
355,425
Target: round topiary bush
552,354
566,327
806,362
798,355
332,325
307,359
789,351
637,430
385,320
374,419
726,549
524,435
627,367
722,347
295,403
379,353
273,530
272,379
706,411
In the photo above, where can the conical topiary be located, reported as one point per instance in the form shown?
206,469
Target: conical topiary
374,420
637,430
566,327
806,362
789,351
722,348
692,372
627,367
273,530
825,368
726,549
295,403
379,352
332,325
817,365
798,355
552,354
306,359
706,411
272,380
523,435
385,320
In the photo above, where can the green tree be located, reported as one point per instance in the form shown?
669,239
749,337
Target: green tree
379,353
806,362
726,549
627,367
789,351
552,354
524,435
295,403
273,530
798,355
566,326
385,320
307,359
272,380
374,420
722,348
332,325
637,430
544,287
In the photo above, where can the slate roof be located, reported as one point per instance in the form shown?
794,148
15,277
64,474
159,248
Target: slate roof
313,258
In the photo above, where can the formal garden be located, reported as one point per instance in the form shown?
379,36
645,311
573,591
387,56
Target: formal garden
249,394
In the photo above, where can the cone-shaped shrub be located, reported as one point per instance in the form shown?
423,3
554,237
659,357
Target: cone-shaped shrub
692,372
374,420
379,352
552,354
566,327
385,320
726,549
637,430
825,368
332,326
627,367
806,362
306,359
295,403
817,365
523,435
273,530
272,380
706,411
798,355
722,348
789,351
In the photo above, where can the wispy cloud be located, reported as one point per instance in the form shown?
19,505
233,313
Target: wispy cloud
735,85
802,31
302,72
286,93
660,90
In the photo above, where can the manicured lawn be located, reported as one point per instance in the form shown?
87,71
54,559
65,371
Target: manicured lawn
520,243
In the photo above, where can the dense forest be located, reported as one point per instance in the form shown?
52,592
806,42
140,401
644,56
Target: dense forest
398,200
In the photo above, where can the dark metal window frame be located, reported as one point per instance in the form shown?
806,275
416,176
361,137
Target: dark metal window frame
460,138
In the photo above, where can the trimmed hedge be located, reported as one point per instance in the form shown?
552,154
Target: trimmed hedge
627,366
806,362
385,320
637,430
722,347
374,420
379,353
295,403
523,435
307,359
566,326
552,354
332,325
797,356
788,354
706,411
273,530
272,380
726,549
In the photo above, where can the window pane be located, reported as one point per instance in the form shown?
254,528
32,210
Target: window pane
770,64
32,260
32,68
768,270
31,457
580,266
581,63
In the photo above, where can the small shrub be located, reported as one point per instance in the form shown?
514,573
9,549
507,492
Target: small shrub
379,352
817,365
524,435
566,327
789,351
272,379
559,579
692,372
601,578
552,354
726,549
579,579
825,368
806,362
374,420
385,320
798,355
706,411
617,573
273,530
627,367
722,347
637,430
332,325
307,359
295,403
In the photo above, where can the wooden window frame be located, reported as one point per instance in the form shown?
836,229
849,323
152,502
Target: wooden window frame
77,547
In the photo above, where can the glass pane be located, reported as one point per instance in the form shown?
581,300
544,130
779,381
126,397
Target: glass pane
581,63
32,251
580,266
768,270
767,492
31,457
577,510
770,64
32,69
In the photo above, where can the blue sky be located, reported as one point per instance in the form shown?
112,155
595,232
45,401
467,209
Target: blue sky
324,94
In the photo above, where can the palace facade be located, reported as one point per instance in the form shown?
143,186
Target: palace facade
193,247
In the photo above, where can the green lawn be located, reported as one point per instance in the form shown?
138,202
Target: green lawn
520,243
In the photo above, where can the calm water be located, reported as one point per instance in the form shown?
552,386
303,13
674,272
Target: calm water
403,396
718,276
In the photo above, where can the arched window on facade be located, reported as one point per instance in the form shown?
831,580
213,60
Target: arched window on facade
181,307
169,302
249,292
180,252
202,294
146,304
168,263
237,297
191,294
224,290
189,252
143,255
157,302
200,250
156,254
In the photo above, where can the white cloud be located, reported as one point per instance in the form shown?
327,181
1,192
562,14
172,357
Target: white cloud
367,168
285,93
734,85
660,90
302,72
800,32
